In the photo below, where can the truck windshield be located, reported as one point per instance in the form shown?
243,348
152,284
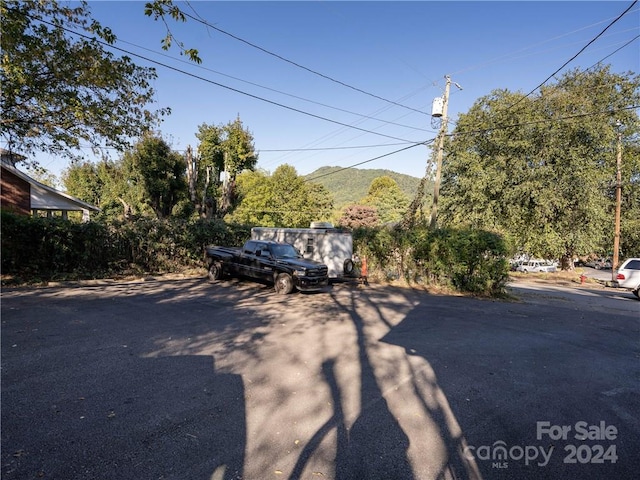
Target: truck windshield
284,251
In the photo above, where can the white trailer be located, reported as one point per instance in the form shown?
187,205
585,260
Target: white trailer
321,242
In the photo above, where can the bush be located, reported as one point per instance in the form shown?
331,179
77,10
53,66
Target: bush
44,249
466,260
36,249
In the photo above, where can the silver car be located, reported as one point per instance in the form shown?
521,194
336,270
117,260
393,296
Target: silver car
536,266
628,275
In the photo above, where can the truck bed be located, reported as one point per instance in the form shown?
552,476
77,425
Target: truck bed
222,252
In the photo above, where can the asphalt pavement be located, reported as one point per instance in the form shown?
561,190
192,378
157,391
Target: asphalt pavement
183,379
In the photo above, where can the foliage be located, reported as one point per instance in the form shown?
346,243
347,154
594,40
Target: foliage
630,205
351,185
157,173
105,185
38,249
82,180
45,249
59,90
473,260
283,199
358,216
148,180
540,169
52,248
387,198
464,259
163,9
223,148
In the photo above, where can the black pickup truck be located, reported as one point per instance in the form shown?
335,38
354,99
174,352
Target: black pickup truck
274,262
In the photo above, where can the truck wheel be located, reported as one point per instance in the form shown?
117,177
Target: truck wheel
215,272
284,284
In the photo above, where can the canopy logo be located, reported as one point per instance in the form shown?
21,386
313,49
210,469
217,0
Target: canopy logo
500,454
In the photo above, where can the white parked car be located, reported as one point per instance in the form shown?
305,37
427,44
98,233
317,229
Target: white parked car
628,275
536,266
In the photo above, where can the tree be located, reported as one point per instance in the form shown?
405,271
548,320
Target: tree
209,163
388,199
224,148
82,180
161,9
630,218
61,87
107,185
283,199
540,168
157,173
42,175
357,216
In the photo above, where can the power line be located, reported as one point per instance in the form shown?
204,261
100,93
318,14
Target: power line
320,117
368,117
515,55
331,148
471,132
613,53
579,52
324,118
370,160
542,121
280,57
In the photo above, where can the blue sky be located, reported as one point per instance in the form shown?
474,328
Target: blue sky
400,51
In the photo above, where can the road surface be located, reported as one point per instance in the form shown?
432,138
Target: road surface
184,379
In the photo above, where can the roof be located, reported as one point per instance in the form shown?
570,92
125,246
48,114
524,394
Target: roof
44,197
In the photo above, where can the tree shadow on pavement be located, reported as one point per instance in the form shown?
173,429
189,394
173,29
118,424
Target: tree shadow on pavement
375,446
506,366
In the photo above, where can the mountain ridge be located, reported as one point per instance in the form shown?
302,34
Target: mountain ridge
349,187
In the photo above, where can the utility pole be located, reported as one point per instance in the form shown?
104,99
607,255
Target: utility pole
443,133
616,235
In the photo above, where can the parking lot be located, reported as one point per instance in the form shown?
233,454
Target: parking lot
183,379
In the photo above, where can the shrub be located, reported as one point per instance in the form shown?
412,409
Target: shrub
41,249
466,260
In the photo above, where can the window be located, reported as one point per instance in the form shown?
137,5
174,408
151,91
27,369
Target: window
633,265
309,248
250,247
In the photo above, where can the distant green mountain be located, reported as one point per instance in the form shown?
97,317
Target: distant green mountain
351,185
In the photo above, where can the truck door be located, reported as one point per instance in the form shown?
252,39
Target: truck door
262,263
246,259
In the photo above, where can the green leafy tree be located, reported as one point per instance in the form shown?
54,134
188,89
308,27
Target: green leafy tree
42,175
283,199
630,205
106,185
227,149
206,169
540,168
239,155
82,180
388,199
156,174
59,89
